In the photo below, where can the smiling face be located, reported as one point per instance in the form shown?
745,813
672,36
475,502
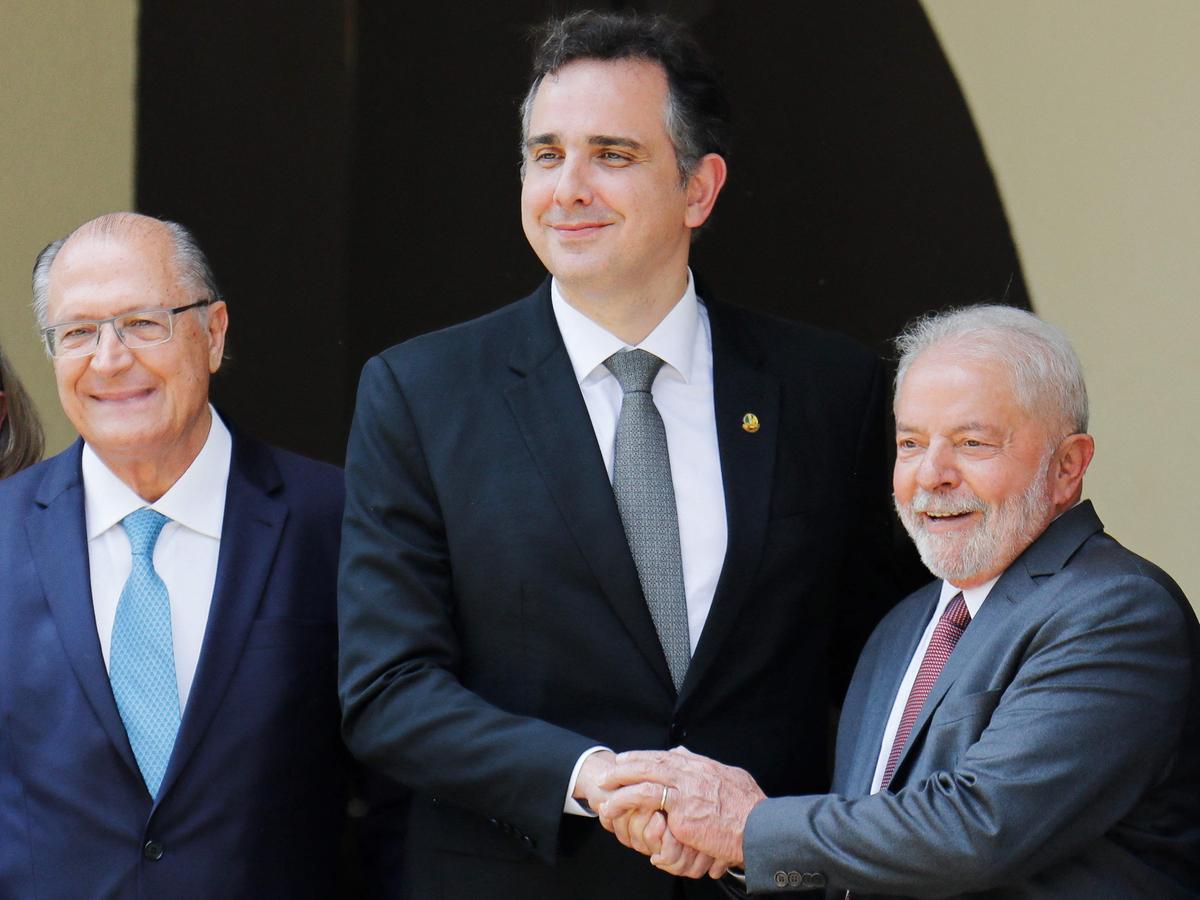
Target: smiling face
975,472
601,202
147,406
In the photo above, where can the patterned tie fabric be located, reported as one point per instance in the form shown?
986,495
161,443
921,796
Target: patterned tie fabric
949,629
141,663
646,500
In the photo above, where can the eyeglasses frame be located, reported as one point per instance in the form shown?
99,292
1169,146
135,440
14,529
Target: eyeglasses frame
112,320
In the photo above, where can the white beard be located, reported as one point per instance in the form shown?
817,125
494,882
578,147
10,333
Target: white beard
1000,536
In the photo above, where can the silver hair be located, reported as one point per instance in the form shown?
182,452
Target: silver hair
191,265
1046,373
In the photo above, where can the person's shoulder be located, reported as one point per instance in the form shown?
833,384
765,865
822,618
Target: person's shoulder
304,469
1105,572
18,490
308,482
788,345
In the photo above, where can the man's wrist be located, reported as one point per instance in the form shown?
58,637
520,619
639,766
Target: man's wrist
576,800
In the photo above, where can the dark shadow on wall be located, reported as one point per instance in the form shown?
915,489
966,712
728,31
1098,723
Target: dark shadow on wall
352,170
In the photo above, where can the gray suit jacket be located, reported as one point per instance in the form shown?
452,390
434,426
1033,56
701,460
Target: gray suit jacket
1058,755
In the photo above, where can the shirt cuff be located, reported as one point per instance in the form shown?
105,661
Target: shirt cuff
571,806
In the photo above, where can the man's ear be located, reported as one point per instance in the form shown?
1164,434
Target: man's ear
703,187
218,323
1071,460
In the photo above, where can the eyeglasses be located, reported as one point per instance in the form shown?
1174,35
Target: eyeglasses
138,329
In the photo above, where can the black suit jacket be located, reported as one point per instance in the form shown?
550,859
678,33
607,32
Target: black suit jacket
492,623
252,803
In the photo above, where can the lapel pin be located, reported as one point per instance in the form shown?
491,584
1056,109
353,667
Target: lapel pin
750,423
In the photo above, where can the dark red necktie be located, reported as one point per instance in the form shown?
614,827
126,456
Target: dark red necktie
949,629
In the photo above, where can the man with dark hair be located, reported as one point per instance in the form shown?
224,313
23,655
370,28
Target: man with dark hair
607,516
167,624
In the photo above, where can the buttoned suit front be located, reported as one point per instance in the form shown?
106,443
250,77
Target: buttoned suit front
492,623
1057,756
252,803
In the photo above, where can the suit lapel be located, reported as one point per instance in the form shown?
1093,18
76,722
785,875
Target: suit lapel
553,419
1044,557
250,535
891,661
991,619
58,542
740,386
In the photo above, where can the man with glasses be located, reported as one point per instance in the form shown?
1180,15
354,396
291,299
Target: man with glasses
167,624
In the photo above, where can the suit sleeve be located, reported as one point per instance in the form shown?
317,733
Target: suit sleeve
1088,724
405,711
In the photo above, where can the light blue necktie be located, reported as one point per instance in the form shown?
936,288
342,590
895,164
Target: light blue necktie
141,663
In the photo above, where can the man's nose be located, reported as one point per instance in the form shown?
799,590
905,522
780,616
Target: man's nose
938,468
111,355
573,185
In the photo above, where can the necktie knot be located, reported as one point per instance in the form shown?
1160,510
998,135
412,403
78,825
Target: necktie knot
634,370
143,528
957,614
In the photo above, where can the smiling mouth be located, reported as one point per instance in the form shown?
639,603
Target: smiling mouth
571,228
947,517
123,396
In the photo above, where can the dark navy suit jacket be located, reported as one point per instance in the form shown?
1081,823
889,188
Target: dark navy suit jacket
1057,757
251,804
492,622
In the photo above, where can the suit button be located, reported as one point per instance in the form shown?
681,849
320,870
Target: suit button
795,879
781,879
153,851
814,879
678,733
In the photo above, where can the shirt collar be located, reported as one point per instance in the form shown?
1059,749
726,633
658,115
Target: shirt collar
673,340
191,501
973,597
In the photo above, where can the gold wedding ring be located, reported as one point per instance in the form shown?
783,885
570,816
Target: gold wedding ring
662,804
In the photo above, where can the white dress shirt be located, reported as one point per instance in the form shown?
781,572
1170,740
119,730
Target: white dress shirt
683,393
185,555
974,598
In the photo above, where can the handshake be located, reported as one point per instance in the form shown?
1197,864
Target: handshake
686,812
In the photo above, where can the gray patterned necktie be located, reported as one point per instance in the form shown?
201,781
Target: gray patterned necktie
646,501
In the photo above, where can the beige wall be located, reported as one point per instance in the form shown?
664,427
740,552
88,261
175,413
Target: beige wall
1088,110
66,152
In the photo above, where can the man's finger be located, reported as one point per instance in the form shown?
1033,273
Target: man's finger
680,860
640,765
636,796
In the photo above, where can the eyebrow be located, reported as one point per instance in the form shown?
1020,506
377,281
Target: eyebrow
597,140
957,429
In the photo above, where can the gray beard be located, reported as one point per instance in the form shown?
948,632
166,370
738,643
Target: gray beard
1000,537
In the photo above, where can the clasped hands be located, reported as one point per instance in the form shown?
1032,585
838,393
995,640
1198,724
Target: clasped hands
686,812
